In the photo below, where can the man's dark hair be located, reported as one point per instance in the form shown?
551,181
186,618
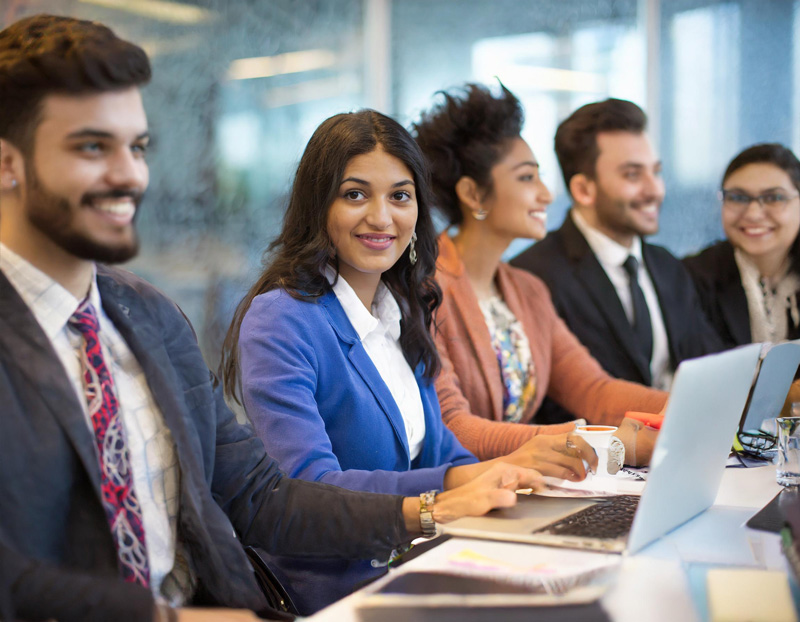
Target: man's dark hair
466,135
576,137
49,54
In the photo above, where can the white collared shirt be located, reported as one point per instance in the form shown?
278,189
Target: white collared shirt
612,256
150,446
379,333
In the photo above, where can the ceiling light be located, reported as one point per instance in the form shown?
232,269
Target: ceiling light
291,62
160,10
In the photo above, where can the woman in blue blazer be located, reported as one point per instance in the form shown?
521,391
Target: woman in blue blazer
332,349
322,408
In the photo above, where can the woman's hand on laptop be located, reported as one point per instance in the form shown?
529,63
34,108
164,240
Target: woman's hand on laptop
492,489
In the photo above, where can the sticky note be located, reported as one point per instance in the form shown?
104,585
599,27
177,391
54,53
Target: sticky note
745,595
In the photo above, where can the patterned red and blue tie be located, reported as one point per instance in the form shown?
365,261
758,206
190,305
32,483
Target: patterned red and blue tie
116,479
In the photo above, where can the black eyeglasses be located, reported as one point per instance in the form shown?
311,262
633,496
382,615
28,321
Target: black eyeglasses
756,444
737,201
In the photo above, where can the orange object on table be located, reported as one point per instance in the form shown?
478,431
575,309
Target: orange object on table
649,419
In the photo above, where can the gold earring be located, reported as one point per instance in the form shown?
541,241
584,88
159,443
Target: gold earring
412,251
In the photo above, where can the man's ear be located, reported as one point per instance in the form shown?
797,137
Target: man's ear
468,193
12,166
583,189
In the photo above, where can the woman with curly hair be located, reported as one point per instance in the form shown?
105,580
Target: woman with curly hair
332,346
502,345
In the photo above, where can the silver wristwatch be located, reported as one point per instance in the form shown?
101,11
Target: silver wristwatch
426,503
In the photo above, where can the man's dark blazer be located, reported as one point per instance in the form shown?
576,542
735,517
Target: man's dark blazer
587,301
57,558
719,287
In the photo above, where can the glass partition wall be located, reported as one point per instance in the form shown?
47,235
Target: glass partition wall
239,85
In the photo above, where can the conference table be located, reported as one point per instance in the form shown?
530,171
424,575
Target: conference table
663,582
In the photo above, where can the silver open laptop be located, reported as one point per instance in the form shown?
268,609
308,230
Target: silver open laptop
705,406
777,371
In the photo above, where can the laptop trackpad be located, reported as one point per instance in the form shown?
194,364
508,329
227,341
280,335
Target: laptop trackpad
531,513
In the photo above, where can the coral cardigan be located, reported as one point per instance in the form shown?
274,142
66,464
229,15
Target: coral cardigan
470,387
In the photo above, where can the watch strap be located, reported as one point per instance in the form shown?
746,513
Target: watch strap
426,502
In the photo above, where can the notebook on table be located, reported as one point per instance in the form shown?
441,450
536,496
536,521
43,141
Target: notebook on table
705,406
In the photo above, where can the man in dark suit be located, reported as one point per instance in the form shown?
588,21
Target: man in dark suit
630,303
126,481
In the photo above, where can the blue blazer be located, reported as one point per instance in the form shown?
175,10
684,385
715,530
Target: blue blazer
319,404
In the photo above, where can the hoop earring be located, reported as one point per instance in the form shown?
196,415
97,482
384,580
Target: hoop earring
481,214
412,251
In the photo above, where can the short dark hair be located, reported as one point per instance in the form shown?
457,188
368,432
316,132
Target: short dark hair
767,153
50,54
783,158
466,135
298,256
576,136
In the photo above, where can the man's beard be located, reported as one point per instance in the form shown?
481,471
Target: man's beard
52,215
618,214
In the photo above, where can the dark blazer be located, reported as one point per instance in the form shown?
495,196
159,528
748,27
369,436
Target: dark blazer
719,287
57,558
585,297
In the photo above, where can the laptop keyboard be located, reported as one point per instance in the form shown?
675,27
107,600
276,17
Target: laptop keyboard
609,518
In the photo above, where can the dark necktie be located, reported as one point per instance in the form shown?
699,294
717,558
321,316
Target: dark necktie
121,505
642,328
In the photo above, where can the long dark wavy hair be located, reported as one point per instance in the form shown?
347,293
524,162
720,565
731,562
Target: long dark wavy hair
297,257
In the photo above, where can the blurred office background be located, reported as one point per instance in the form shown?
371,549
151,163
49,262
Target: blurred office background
240,85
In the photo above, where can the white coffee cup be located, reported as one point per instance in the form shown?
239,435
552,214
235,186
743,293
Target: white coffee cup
599,437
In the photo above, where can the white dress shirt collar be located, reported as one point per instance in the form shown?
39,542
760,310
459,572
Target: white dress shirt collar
385,310
51,304
608,252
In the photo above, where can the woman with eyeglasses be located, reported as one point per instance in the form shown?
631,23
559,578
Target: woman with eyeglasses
749,283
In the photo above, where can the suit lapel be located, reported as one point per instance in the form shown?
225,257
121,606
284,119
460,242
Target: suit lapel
126,309
364,366
429,455
596,282
24,348
733,303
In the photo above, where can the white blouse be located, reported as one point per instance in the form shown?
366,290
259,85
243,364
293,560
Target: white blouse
769,301
379,333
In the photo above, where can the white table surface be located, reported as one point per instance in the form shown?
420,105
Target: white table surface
664,581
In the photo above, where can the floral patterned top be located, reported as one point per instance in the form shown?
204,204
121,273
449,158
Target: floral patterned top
513,356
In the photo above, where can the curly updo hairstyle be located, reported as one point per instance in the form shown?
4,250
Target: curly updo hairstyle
465,136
